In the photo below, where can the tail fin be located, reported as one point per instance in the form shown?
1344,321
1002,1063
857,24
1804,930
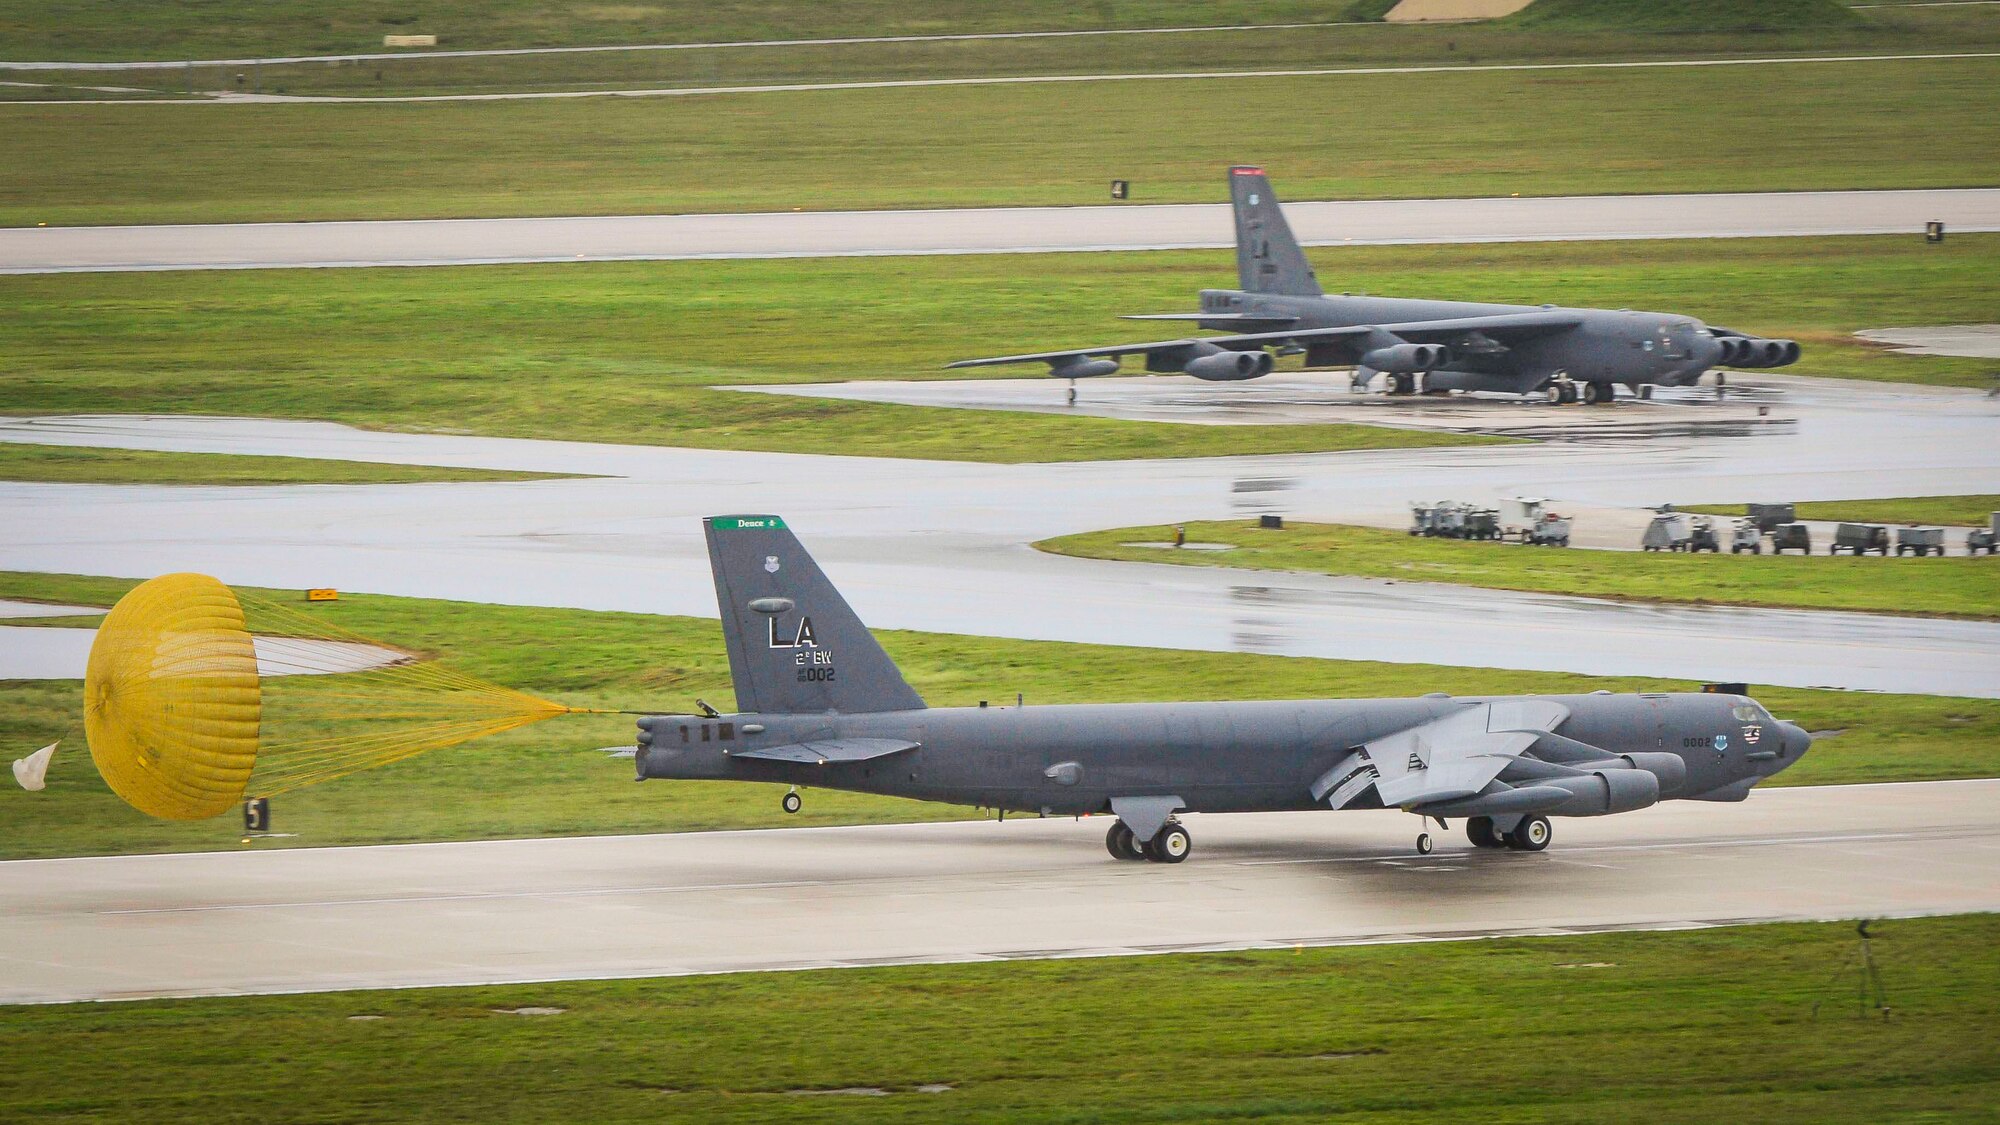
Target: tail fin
794,645
1268,258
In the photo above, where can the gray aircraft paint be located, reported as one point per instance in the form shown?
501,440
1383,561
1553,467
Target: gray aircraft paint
1450,345
826,707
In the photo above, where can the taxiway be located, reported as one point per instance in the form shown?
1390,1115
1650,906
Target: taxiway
1007,230
945,546
231,923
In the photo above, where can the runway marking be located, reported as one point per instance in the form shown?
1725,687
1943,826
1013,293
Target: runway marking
226,98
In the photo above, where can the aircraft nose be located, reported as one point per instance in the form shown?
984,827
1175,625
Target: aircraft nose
1794,740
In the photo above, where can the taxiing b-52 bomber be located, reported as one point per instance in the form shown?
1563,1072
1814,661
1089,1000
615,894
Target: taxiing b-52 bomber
823,705
1421,346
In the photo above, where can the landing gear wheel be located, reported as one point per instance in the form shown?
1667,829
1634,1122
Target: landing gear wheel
1593,393
1120,844
793,802
1402,384
1479,830
1423,843
1171,845
1569,392
1531,835
1555,394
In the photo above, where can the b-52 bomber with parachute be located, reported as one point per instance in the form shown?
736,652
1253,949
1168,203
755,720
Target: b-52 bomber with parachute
821,704
1421,346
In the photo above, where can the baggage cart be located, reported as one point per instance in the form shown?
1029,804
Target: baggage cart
1860,538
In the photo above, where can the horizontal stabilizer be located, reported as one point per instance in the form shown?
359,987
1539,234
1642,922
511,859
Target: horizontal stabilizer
822,751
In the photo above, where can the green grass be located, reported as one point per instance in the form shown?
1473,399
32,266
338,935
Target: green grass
627,351
1850,125
109,29
1729,1025
1939,587
1314,47
1686,15
72,464
1951,511
549,780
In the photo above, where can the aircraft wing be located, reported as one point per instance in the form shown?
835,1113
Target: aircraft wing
823,751
1501,329
1447,759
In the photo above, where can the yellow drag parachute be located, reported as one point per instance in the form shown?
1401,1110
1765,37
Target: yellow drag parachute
172,702
186,712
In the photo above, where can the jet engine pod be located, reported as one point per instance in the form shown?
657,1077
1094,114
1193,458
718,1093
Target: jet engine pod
1607,791
1732,350
1671,769
1080,367
1406,359
1791,353
1227,367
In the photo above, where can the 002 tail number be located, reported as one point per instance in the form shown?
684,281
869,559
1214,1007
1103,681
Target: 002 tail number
815,675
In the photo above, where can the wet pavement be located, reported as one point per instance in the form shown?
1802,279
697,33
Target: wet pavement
1978,340
314,919
1318,398
945,546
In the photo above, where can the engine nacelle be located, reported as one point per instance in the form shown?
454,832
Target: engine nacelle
1081,367
1606,791
1742,351
1671,769
1229,367
1406,359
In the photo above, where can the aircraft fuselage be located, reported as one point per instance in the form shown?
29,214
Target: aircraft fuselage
1216,757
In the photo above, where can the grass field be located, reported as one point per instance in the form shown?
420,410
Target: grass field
1847,125
627,351
1950,511
84,29
1341,45
72,464
1944,587
1752,1023
550,780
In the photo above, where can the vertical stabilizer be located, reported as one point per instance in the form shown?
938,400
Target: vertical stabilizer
794,645
1268,258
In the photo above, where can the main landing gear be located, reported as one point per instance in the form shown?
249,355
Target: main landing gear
1531,834
1171,844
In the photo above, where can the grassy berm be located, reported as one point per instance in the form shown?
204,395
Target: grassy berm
551,779
1939,587
70,464
628,352
1950,511
1755,1023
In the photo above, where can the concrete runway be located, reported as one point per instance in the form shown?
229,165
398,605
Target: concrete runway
945,545
984,231
229,923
